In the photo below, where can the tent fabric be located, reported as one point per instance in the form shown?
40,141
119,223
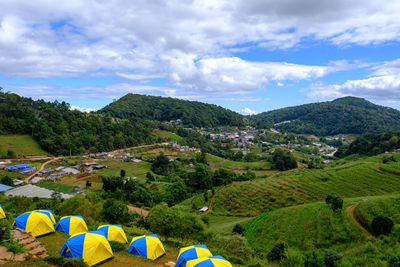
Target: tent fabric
147,246
214,261
92,247
49,213
72,225
114,232
192,253
35,222
2,213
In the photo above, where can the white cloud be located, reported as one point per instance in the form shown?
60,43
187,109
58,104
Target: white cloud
82,109
383,85
247,111
190,42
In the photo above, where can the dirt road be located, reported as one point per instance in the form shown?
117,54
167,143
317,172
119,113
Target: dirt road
27,179
137,210
352,217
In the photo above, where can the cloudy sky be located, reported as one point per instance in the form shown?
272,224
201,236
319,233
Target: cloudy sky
246,55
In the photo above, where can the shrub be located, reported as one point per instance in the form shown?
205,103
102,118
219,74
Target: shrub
277,252
14,247
205,219
238,229
63,262
335,202
117,246
394,261
233,247
313,259
115,211
293,258
381,225
331,257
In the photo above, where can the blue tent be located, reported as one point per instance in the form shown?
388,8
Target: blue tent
17,167
71,225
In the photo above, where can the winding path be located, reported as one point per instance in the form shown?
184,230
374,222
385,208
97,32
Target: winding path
27,179
352,217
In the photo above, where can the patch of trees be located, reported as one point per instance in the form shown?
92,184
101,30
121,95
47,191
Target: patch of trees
348,115
62,131
283,160
371,144
335,202
382,225
191,113
224,176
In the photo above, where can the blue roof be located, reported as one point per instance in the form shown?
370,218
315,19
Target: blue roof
16,167
27,170
4,187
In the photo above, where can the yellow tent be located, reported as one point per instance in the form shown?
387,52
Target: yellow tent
147,246
72,225
92,247
113,232
213,261
187,254
2,213
34,222
48,213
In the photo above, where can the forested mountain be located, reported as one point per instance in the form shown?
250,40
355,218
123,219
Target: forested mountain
191,113
347,115
62,131
371,144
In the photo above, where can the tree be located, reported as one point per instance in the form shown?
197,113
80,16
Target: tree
381,225
331,257
7,180
150,177
88,183
283,160
335,202
10,154
201,178
277,252
122,174
115,211
223,177
176,192
112,183
238,229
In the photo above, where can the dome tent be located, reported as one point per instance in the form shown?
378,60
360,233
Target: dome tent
49,213
34,222
113,232
147,246
93,248
2,213
213,261
192,253
72,225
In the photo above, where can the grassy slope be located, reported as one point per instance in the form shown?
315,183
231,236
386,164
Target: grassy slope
168,135
22,145
354,179
306,227
132,169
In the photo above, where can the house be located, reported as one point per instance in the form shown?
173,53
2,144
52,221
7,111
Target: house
17,182
56,175
71,170
98,167
203,209
36,180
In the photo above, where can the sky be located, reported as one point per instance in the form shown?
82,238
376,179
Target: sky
246,55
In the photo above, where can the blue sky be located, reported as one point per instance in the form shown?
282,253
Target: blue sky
245,55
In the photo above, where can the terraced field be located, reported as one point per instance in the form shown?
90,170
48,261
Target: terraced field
306,227
259,167
353,180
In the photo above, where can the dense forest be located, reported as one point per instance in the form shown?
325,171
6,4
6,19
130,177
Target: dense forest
371,144
347,115
191,113
62,131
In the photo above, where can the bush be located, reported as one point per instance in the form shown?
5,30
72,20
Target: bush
331,257
14,247
7,180
205,219
115,211
313,259
381,225
394,261
335,202
238,229
233,247
117,246
293,258
277,252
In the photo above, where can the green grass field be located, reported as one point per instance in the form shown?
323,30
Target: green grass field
306,227
356,179
225,224
132,169
263,167
62,188
168,135
22,145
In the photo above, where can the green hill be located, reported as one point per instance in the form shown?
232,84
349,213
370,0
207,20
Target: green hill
191,113
354,179
21,145
348,115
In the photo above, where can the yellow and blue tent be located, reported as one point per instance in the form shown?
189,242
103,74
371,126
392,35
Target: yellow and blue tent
147,246
113,232
48,213
72,225
213,261
192,253
34,222
93,248
2,213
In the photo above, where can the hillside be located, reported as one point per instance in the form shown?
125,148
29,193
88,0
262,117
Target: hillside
21,145
354,179
192,113
347,115
62,131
